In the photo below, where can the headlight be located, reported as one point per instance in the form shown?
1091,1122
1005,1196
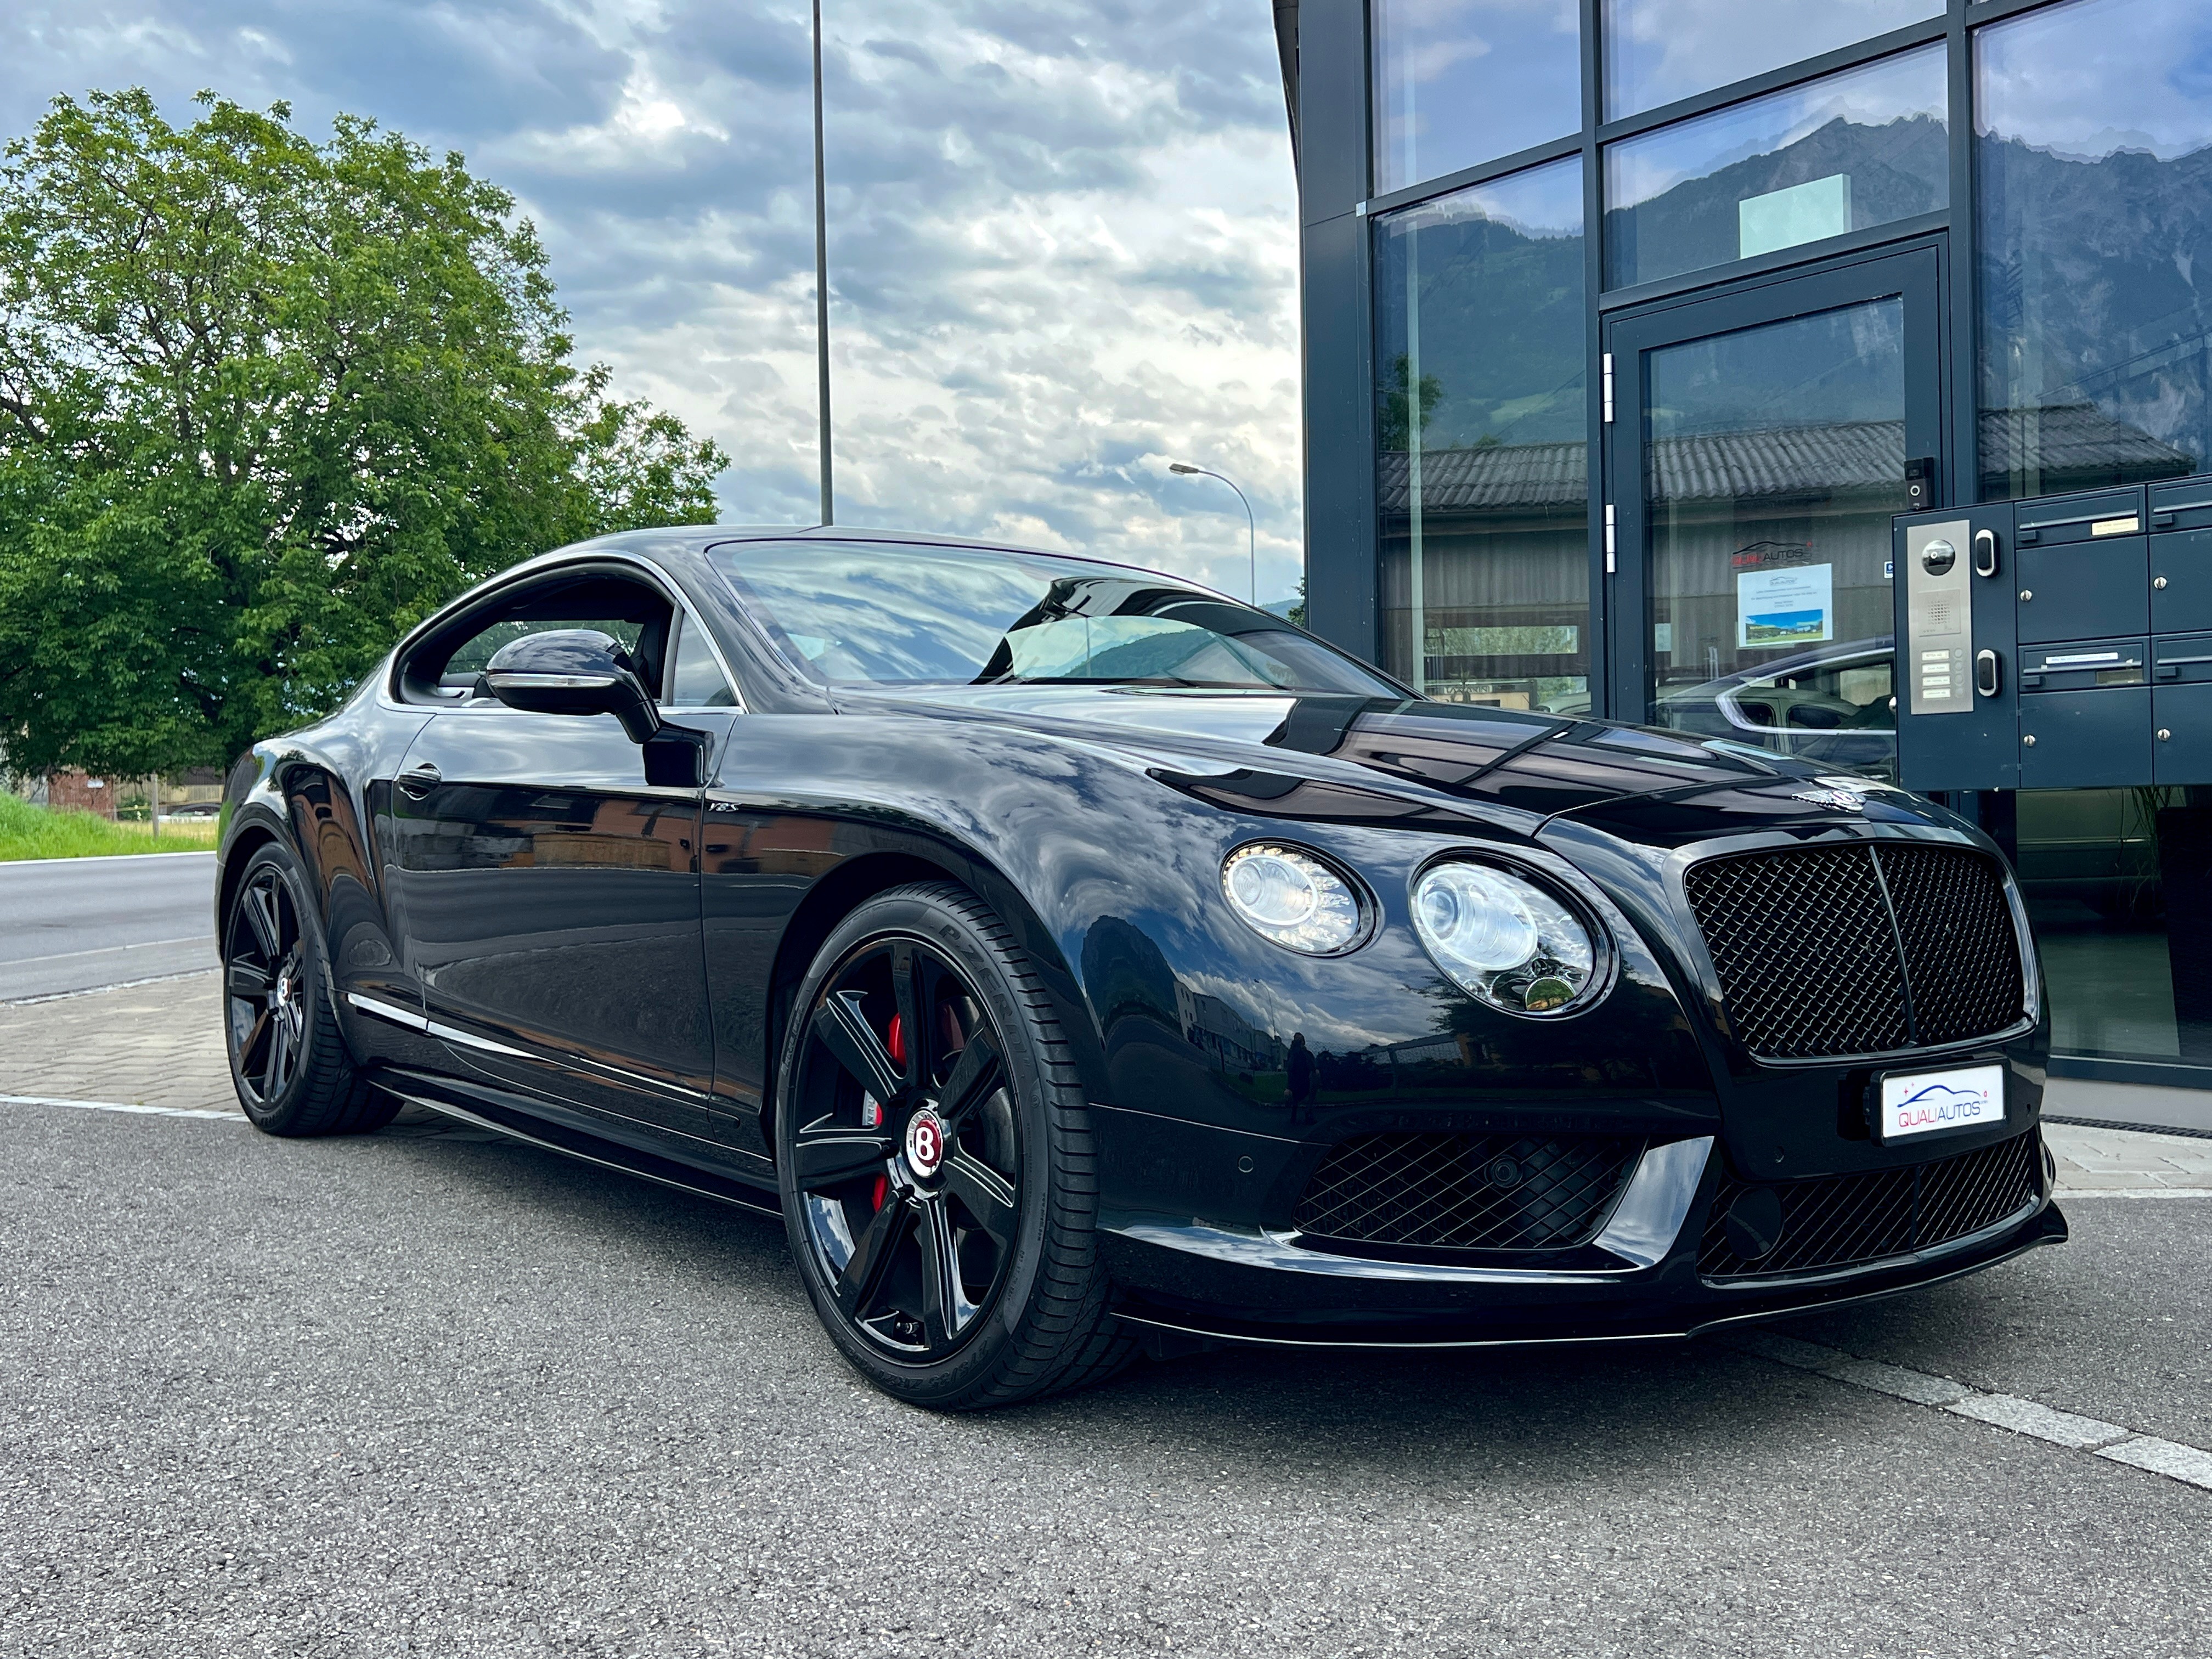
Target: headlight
1292,898
1503,939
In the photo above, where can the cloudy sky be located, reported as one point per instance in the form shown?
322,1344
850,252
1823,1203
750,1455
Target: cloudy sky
1062,247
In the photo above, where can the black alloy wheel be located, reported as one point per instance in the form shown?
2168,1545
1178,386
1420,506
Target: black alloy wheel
265,980
907,1162
928,1144
288,1058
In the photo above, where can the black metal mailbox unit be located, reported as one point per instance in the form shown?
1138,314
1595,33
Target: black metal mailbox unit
2058,643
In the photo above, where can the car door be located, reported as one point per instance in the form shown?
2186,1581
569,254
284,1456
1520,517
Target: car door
548,895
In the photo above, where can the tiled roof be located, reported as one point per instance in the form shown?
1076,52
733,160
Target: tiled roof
1787,461
1731,466
2077,437
1501,476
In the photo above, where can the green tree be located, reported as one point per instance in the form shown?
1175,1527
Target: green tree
1396,426
266,402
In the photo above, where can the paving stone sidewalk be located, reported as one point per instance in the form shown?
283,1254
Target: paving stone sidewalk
2123,1160
159,1044
162,1045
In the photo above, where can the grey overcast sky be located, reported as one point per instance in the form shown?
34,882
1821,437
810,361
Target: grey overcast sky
1062,235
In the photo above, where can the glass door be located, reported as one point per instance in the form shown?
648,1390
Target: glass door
1761,443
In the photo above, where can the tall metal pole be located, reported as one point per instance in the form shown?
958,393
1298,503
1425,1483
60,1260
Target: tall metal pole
822,280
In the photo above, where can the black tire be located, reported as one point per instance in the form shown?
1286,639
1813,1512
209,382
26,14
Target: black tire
1000,1218
288,1060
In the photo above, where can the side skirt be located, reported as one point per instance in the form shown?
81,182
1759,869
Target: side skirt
591,1149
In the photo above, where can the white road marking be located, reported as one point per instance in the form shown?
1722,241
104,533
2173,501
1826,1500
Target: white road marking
120,1106
108,950
2164,1457
2190,1465
2028,1417
110,858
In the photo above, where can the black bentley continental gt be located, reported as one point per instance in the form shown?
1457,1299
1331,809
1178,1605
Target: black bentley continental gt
1083,963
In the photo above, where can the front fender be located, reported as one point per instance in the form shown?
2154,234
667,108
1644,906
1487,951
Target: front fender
1112,877
314,790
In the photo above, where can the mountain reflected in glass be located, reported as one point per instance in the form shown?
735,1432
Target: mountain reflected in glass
2095,209
1864,148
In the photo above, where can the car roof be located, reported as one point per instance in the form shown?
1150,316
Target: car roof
699,538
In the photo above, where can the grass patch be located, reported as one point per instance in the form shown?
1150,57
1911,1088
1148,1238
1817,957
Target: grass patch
34,832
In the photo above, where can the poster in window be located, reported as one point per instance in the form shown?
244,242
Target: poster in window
1793,605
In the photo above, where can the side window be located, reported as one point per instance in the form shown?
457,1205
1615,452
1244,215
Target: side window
696,679
444,667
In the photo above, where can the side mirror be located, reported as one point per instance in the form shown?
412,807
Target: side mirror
572,671
581,670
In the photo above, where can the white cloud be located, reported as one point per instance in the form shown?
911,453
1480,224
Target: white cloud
1054,268
1063,236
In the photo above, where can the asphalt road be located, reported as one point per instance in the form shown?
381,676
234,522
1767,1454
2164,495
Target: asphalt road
455,1396
77,924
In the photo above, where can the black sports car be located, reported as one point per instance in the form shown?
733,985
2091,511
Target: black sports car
1082,963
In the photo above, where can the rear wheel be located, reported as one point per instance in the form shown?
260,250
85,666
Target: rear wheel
288,1060
935,1157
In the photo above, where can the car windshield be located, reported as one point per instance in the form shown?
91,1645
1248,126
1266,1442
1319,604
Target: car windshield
889,614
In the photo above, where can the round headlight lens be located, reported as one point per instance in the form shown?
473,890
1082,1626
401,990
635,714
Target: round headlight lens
1503,939
1292,898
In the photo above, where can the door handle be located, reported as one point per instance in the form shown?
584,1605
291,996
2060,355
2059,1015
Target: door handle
1985,672
419,781
1985,552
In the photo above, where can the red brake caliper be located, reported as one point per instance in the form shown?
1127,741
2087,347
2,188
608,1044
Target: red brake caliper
895,1043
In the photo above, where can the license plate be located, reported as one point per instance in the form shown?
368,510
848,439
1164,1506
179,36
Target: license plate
1940,1103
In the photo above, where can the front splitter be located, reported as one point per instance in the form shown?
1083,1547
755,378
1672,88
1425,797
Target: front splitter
1670,1320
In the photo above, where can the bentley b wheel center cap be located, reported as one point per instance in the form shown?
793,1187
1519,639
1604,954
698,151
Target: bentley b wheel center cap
924,1142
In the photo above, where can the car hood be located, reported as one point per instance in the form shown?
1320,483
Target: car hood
1407,760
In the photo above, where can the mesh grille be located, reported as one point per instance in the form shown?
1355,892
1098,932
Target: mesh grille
1847,1219
1961,956
1802,943
1466,1192
1806,943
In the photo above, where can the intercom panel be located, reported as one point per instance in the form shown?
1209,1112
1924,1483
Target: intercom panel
1957,724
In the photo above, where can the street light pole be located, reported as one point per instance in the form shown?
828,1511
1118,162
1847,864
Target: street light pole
1251,528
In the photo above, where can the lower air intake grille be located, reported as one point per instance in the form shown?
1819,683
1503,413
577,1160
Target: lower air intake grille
1459,1191
1844,1220
1833,950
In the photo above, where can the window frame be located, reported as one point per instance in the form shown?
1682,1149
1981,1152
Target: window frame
400,688
1339,260
683,623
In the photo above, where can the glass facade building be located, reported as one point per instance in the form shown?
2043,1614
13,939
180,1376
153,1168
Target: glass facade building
1631,323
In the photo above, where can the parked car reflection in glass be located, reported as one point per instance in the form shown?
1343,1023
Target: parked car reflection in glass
1831,706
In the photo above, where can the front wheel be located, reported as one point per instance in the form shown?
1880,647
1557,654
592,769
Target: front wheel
287,1059
935,1158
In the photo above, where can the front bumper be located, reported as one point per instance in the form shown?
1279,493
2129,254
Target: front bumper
1639,1279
